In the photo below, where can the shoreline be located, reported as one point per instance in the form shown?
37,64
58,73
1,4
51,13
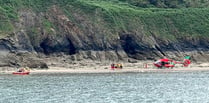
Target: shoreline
102,71
105,68
129,70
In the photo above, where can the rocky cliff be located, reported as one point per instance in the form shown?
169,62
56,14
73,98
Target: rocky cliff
34,33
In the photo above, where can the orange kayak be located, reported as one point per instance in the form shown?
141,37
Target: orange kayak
21,73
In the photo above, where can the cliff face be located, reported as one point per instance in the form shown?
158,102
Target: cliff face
87,31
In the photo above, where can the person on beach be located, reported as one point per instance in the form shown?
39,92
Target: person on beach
24,69
119,66
21,70
112,66
27,68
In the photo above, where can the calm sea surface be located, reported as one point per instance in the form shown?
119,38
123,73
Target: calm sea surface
190,87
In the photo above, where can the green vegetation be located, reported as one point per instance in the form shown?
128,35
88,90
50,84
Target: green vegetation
168,3
48,26
7,16
165,23
168,19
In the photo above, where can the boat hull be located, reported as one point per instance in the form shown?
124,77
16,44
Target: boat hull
21,73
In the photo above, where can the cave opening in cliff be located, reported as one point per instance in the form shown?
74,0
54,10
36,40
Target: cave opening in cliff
128,44
51,46
71,47
44,46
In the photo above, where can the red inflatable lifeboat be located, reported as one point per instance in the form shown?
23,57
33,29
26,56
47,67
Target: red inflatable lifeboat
21,73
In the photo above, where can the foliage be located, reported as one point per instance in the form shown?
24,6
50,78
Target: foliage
168,19
48,26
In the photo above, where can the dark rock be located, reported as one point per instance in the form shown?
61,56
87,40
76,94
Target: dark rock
39,65
132,61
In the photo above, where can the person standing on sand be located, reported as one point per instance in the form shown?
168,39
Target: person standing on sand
112,66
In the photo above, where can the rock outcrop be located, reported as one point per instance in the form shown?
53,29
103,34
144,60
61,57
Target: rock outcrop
41,35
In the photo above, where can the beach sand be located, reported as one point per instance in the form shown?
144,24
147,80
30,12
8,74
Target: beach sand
127,68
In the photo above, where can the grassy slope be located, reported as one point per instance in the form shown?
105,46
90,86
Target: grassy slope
121,15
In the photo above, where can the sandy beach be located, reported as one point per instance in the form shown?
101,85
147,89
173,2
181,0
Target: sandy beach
128,68
140,70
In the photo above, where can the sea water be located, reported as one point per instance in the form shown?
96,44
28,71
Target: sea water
186,87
